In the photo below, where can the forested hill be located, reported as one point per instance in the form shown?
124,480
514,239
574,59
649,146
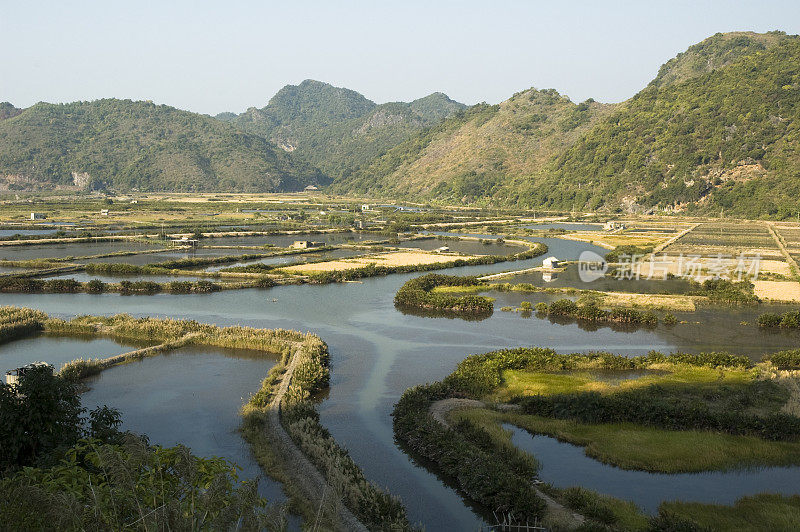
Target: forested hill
471,156
138,145
725,140
337,129
717,129
8,111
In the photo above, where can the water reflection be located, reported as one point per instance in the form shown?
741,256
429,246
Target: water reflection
378,352
564,465
190,396
58,350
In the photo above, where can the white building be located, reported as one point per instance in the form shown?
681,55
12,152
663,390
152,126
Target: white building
550,263
37,216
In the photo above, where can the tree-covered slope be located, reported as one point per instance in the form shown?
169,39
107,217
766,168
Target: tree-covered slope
473,154
125,145
728,139
337,129
8,111
713,53
716,130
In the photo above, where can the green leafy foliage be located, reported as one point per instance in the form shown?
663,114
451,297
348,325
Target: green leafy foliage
132,486
417,293
467,458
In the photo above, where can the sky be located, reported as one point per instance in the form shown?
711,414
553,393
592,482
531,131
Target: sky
212,56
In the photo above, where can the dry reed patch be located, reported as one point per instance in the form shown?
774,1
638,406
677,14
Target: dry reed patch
778,290
705,267
648,301
391,259
612,240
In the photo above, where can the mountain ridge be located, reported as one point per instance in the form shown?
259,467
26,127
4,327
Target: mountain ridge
338,129
126,145
718,123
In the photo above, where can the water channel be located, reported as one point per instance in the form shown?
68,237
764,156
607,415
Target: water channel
377,353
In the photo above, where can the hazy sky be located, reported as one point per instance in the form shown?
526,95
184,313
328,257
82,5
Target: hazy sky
230,55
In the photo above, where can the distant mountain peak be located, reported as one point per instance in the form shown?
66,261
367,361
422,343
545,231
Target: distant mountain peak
715,52
7,110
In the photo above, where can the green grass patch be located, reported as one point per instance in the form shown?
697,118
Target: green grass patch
631,446
525,383
765,512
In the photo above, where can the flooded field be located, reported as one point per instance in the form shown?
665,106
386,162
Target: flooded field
41,251
57,350
283,241
378,352
290,259
5,233
567,226
190,396
570,278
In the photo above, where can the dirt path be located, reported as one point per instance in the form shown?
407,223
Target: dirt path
308,478
439,411
661,247
784,251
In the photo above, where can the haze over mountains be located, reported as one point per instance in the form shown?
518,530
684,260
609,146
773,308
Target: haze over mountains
717,129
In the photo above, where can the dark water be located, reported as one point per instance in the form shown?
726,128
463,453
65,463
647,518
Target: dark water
25,232
176,254
568,226
378,352
565,465
190,396
571,278
291,259
57,350
40,251
282,241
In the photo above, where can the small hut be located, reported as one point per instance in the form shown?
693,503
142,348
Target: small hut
550,263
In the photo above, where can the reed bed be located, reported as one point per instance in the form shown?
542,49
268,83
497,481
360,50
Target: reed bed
16,322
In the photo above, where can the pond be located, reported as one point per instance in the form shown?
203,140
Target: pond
192,396
40,251
283,241
5,233
567,226
58,350
564,465
570,278
377,353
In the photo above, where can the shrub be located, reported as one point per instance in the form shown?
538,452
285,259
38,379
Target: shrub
143,287
784,359
95,286
418,293
788,320
180,287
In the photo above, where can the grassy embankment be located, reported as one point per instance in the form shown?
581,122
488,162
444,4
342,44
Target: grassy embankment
649,413
375,507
